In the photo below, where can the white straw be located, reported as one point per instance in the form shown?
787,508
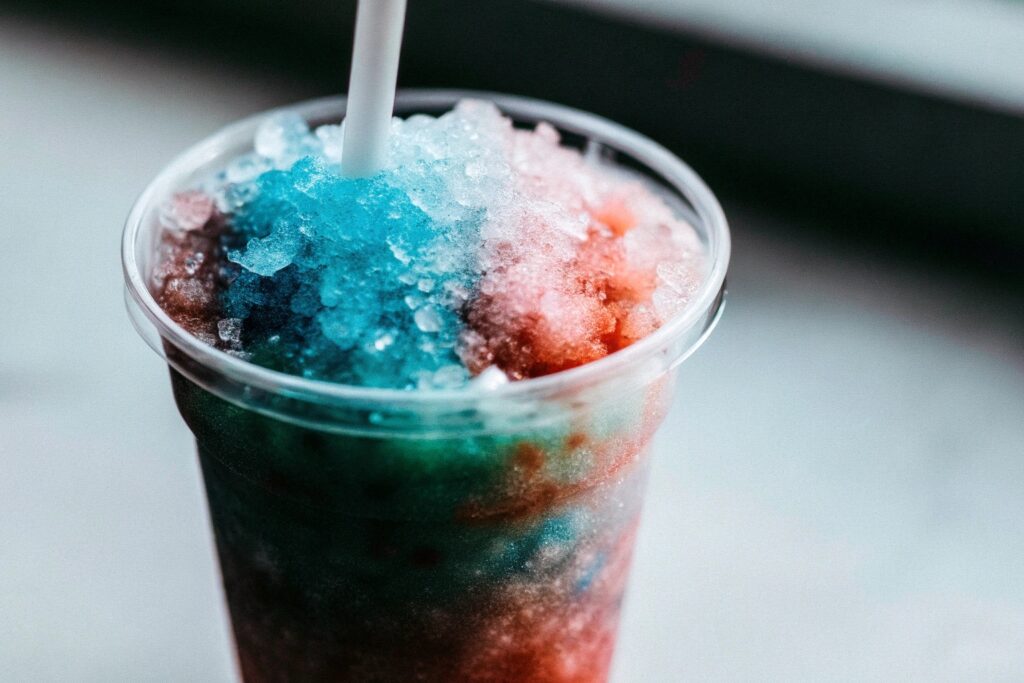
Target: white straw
371,88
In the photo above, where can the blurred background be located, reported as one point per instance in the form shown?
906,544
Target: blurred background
839,492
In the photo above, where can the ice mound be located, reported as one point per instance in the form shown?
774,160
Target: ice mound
578,262
480,248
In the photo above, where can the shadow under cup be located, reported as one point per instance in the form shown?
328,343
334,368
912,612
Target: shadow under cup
480,535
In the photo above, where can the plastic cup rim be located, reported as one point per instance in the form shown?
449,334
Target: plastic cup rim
621,138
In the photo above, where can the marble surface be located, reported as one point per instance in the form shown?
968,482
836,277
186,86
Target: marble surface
836,496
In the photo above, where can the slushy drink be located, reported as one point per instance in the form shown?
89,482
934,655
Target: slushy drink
423,399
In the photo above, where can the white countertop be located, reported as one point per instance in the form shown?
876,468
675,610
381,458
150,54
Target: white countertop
836,496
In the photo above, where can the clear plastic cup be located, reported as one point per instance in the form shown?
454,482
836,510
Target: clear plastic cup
471,534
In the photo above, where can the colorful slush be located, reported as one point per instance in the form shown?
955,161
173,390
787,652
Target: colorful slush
423,399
